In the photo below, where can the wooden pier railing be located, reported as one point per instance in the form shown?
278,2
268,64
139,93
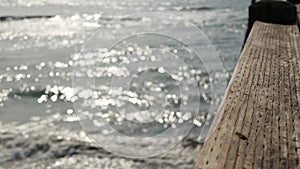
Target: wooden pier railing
259,124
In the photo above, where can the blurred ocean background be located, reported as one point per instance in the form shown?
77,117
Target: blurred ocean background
40,43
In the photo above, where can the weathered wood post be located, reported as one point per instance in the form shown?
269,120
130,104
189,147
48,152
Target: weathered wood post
277,12
297,3
259,118
294,1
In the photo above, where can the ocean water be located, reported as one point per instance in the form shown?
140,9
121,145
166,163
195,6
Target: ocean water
41,43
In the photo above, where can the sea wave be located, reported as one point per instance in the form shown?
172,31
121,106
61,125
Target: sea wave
190,8
16,18
41,143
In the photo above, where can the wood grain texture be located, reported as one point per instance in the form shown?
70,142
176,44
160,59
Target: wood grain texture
259,123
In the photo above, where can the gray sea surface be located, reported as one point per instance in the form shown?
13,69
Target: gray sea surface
40,44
